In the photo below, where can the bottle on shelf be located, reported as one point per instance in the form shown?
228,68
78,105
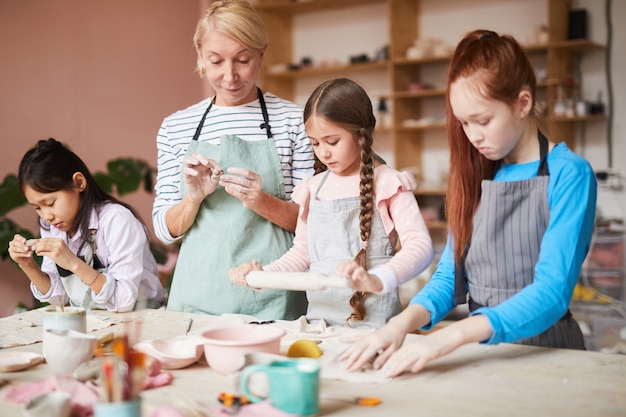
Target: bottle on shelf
383,117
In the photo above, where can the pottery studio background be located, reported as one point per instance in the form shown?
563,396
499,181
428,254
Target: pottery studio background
100,76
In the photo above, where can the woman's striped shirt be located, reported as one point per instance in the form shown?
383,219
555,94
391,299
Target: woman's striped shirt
176,132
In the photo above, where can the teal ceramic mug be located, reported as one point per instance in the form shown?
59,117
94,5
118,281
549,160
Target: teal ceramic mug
293,385
119,409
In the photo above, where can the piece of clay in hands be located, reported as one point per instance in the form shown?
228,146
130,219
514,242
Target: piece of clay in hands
217,173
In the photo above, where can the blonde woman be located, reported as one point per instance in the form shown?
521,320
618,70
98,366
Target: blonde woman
226,170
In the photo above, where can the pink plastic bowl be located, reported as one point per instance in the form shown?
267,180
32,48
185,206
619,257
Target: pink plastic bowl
225,347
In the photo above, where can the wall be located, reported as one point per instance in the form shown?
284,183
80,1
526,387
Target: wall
96,75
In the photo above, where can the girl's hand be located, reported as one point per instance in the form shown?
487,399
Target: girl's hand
396,358
374,349
244,185
361,279
413,356
202,176
238,274
58,252
20,252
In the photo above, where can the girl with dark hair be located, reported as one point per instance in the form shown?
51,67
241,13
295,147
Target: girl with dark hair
520,210
96,252
353,213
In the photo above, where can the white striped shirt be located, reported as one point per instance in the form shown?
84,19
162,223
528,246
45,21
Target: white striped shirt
176,132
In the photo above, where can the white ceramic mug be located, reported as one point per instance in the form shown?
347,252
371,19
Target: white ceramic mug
71,318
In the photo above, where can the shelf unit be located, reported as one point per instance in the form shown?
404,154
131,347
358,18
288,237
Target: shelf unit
407,139
601,290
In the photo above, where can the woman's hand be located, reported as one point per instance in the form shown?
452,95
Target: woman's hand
20,252
244,185
202,176
361,279
238,274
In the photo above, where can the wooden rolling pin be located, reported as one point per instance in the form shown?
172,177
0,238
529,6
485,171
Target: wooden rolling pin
295,281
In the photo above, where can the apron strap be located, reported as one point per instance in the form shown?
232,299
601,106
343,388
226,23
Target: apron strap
543,155
265,125
196,135
460,292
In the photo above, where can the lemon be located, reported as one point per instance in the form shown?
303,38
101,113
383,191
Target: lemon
304,348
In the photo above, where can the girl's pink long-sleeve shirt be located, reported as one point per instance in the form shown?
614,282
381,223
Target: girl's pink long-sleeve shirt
399,212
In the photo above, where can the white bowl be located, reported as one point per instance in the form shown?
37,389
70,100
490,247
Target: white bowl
65,350
175,353
225,348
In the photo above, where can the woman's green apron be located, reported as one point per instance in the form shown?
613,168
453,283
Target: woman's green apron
226,234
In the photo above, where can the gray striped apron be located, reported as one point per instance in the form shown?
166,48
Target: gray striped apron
508,228
333,236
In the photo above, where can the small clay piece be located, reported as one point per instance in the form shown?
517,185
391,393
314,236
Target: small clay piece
217,173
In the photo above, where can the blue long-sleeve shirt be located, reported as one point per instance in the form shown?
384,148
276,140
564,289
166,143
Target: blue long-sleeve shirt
572,195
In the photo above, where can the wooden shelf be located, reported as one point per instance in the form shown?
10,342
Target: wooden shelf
307,6
536,48
429,191
529,48
576,45
407,142
588,118
425,126
437,225
432,92
314,71
401,61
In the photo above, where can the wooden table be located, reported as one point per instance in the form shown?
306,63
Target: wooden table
475,380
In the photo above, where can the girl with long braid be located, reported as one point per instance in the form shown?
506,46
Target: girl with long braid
353,215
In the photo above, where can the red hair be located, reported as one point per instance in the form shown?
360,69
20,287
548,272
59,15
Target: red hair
502,69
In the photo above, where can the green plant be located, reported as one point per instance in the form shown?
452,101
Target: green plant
10,198
123,176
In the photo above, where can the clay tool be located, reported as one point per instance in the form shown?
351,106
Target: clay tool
361,401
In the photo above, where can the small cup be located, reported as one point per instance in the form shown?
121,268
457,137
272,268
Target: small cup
130,408
71,318
293,385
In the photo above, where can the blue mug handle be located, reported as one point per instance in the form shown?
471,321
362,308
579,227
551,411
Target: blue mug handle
243,381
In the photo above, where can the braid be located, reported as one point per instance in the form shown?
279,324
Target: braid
319,166
357,301
346,104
